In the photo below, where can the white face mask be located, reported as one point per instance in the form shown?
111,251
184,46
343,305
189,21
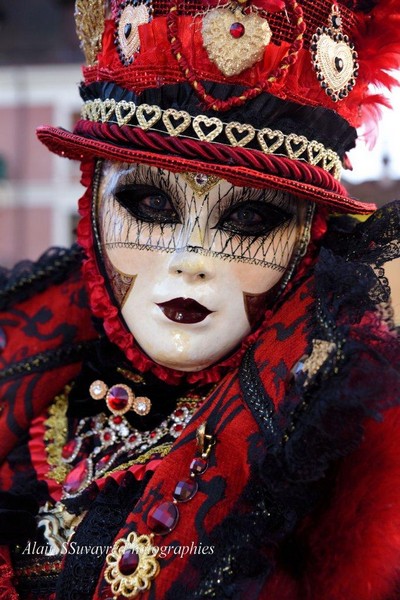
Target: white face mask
191,258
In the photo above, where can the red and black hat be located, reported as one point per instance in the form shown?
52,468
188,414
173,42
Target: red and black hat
264,93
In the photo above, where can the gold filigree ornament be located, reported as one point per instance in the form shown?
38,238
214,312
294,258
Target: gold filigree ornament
131,565
133,14
201,183
334,58
90,19
234,40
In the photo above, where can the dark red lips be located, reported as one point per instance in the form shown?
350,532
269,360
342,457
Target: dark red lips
184,310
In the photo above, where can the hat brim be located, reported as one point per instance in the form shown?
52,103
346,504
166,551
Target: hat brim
78,147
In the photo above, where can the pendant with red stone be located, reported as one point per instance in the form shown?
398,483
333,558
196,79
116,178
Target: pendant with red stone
119,399
198,466
163,518
80,475
131,565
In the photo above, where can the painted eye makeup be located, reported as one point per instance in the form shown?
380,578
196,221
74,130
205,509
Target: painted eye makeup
147,203
253,218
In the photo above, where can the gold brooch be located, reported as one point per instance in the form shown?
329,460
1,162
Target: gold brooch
334,58
132,565
234,41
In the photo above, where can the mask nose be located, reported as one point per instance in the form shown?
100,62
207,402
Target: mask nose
191,264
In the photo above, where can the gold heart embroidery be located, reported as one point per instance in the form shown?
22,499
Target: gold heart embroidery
232,55
208,122
335,59
152,111
109,104
95,110
315,152
331,163
86,111
240,129
293,140
124,111
271,135
176,129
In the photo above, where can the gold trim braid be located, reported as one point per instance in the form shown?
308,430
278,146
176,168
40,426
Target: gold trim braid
56,436
178,122
90,20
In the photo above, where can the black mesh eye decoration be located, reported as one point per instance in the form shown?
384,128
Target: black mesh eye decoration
147,203
253,218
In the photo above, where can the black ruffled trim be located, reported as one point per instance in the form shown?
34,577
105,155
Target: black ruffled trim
315,123
28,278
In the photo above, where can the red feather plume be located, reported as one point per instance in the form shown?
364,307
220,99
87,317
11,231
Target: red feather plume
378,44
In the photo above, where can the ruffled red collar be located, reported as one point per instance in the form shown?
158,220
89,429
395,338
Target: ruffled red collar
115,327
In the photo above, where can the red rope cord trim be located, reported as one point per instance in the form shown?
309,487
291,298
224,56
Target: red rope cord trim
222,105
280,166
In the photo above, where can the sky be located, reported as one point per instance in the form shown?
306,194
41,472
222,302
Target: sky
367,164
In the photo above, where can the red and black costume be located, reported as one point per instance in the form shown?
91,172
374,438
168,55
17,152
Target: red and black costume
297,495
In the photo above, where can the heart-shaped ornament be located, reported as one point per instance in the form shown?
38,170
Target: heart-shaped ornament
234,41
276,137
107,109
295,145
336,61
148,115
124,111
334,58
239,128
181,118
210,122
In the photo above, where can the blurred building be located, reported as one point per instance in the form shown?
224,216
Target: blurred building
38,191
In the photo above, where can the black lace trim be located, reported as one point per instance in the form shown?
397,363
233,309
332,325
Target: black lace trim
107,515
28,278
50,359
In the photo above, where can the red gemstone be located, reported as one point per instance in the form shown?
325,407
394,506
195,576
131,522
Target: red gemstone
163,518
69,449
103,462
198,466
128,562
179,413
106,436
132,438
117,420
237,30
77,477
153,435
118,398
185,490
178,427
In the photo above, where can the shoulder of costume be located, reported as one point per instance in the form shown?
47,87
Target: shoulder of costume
27,278
45,331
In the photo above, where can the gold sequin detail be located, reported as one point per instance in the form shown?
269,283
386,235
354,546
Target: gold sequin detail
201,184
321,351
234,55
130,586
90,19
56,436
